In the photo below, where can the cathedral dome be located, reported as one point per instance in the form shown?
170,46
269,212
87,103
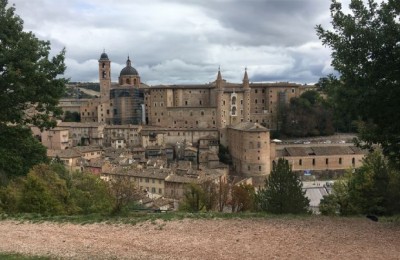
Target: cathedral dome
104,56
128,70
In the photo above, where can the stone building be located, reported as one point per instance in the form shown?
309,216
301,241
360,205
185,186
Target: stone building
120,103
192,120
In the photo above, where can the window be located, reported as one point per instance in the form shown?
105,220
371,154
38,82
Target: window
292,90
223,102
147,180
202,113
259,168
353,161
256,91
153,181
248,167
340,160
200,102
300,162
153,190
326,161
159,191
186,103
313,161
233,111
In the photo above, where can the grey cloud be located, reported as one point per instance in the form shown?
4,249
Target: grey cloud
184,41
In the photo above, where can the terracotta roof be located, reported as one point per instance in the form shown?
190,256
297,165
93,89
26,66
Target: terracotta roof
69,153
79,124
322,150
87,149
249,126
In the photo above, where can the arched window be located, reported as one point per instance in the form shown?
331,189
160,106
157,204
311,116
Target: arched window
104,74
103,65
233,100
128,81
134,81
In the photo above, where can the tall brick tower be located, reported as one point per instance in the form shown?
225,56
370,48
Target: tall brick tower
104,77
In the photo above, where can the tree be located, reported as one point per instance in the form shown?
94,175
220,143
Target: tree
366,53
243,198
44,192
124,190
28,79
374,188
282,192
30,87
90,194
308,115
193,200
19,151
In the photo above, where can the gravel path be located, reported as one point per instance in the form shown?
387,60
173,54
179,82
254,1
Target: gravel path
310,238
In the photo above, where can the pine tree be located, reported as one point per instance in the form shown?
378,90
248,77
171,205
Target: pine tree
283,193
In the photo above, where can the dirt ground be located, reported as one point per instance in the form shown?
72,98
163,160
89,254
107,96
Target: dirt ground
288,238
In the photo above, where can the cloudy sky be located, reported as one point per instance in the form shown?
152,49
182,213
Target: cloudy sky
185,41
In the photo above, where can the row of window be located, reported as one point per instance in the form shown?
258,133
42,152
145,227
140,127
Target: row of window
340,161
152,190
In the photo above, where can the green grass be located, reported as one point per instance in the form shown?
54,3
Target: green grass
135,217
15,256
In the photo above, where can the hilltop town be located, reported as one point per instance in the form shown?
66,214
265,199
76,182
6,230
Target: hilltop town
167,136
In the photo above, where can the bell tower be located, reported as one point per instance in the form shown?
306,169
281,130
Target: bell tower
246,97
104,77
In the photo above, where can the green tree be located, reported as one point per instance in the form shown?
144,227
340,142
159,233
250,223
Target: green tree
193,200
19,152
308,115
328,206
30,87
44,192
283,191
371,189
90,194
28,78
366,53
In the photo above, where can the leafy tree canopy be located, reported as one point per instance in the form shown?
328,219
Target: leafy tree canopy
19,152
28,77
30,87
366,53
307,115
283,193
